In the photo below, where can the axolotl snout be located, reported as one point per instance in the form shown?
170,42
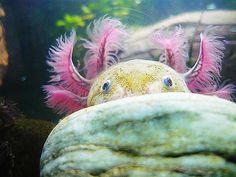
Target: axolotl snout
132,78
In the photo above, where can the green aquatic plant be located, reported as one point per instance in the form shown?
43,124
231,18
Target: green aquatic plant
88,12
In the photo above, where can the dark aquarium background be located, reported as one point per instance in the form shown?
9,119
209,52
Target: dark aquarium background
32,26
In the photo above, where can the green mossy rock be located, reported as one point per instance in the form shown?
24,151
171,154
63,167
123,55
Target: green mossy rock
168,134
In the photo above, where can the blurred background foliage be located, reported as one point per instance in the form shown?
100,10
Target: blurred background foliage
91,10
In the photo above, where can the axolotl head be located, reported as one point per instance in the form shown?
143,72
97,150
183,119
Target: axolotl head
132,78
106,79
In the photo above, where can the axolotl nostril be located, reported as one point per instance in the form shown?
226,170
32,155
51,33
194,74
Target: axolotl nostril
108,79
135,77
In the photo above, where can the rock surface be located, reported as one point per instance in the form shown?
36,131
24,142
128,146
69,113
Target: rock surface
169,134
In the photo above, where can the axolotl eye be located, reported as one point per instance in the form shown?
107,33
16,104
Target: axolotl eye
106,86
167,82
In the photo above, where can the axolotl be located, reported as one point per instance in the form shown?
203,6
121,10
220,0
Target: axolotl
135,77
107,78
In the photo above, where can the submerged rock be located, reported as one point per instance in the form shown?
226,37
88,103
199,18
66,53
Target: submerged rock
21,145
139,45
168,134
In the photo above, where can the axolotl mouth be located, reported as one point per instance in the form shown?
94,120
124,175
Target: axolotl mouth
132,78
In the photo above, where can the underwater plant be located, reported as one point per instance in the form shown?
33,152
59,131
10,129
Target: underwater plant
89,11
106,79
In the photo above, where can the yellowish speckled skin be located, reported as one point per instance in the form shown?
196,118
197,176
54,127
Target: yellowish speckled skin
134,77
